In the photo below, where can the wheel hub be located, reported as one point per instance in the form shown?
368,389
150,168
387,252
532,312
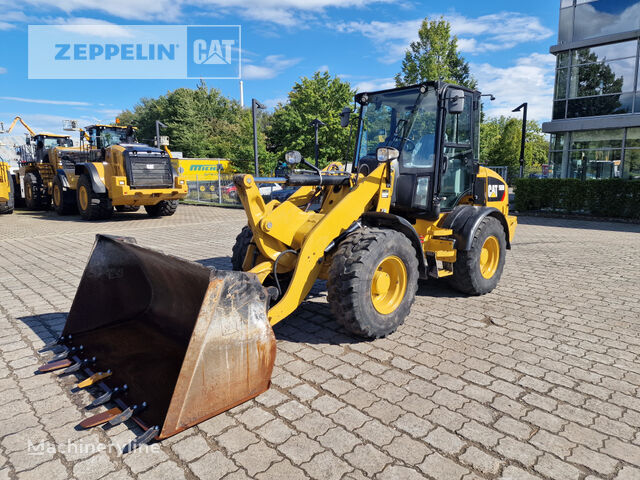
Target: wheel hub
489,257
84,197
388,285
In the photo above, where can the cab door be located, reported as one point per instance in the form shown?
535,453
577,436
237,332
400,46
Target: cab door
458,154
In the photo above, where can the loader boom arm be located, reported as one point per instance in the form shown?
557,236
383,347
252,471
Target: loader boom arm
309,233
24,124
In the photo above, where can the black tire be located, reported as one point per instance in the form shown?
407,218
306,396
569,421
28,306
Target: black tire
95,206
35,198
64,201
467,274
17,195
127,208
352,270
165,208
8,208
239,250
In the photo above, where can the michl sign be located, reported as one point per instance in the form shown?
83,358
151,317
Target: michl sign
134,51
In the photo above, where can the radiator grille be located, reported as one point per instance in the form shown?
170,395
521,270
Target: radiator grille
150,171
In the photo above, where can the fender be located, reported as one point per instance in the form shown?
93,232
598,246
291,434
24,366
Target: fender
399,224
96,182
63,178
464,221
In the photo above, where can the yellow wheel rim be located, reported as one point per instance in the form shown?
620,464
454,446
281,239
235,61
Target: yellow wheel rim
489,257
83,198
56,195
388,285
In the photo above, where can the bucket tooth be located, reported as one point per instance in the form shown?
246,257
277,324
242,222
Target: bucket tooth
56,343
93,379
66,352
102,399
100,418
52,366
143,439
127,414
78,365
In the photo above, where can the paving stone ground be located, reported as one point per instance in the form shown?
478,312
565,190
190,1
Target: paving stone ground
539,379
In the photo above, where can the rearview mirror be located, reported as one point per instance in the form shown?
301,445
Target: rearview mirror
387,154
345,115
455,105
293,158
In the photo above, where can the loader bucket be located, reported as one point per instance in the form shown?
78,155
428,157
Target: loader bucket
189,341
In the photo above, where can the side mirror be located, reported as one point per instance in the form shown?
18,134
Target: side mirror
345,115
387,154
455,104
293,158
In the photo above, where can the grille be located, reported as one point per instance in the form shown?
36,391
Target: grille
150,171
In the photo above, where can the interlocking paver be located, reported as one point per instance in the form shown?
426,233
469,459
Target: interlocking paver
539,379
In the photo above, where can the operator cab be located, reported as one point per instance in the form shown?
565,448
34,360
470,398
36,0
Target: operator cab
434,128
103,136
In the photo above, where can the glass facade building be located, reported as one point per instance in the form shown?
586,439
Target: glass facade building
595,126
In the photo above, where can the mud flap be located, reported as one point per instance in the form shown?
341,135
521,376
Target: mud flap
189,342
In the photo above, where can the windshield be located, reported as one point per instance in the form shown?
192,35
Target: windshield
405,120
50,142
108,136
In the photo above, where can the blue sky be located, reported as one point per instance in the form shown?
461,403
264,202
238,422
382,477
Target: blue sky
362,41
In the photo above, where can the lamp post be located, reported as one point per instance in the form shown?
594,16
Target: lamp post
522,107
316,124
255,105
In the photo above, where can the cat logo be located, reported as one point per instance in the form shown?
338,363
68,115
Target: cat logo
496,191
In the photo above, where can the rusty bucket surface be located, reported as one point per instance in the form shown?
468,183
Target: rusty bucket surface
189,341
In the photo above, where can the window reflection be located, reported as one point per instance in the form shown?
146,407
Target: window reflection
603,17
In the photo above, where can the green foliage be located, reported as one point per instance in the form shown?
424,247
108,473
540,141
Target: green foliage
500,144
201,123
322,97
434,56
605,198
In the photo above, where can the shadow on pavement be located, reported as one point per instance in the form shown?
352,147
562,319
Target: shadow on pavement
51,215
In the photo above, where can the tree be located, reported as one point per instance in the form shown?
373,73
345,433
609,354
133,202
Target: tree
434,56
322,97
500,144
201,122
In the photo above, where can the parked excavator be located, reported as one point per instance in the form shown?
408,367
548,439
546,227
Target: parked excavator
172,343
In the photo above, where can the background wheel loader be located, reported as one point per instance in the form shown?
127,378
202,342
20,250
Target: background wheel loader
32,181
172,343
7,200
110,169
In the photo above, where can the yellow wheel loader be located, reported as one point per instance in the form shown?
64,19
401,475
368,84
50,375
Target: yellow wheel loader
172,343
34,177
7,200
110,169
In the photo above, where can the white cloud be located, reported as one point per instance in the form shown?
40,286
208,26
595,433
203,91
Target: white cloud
3,70
493,32
272,103
530,80
281,12
375,84
92,27
44,101
272,66
322,68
